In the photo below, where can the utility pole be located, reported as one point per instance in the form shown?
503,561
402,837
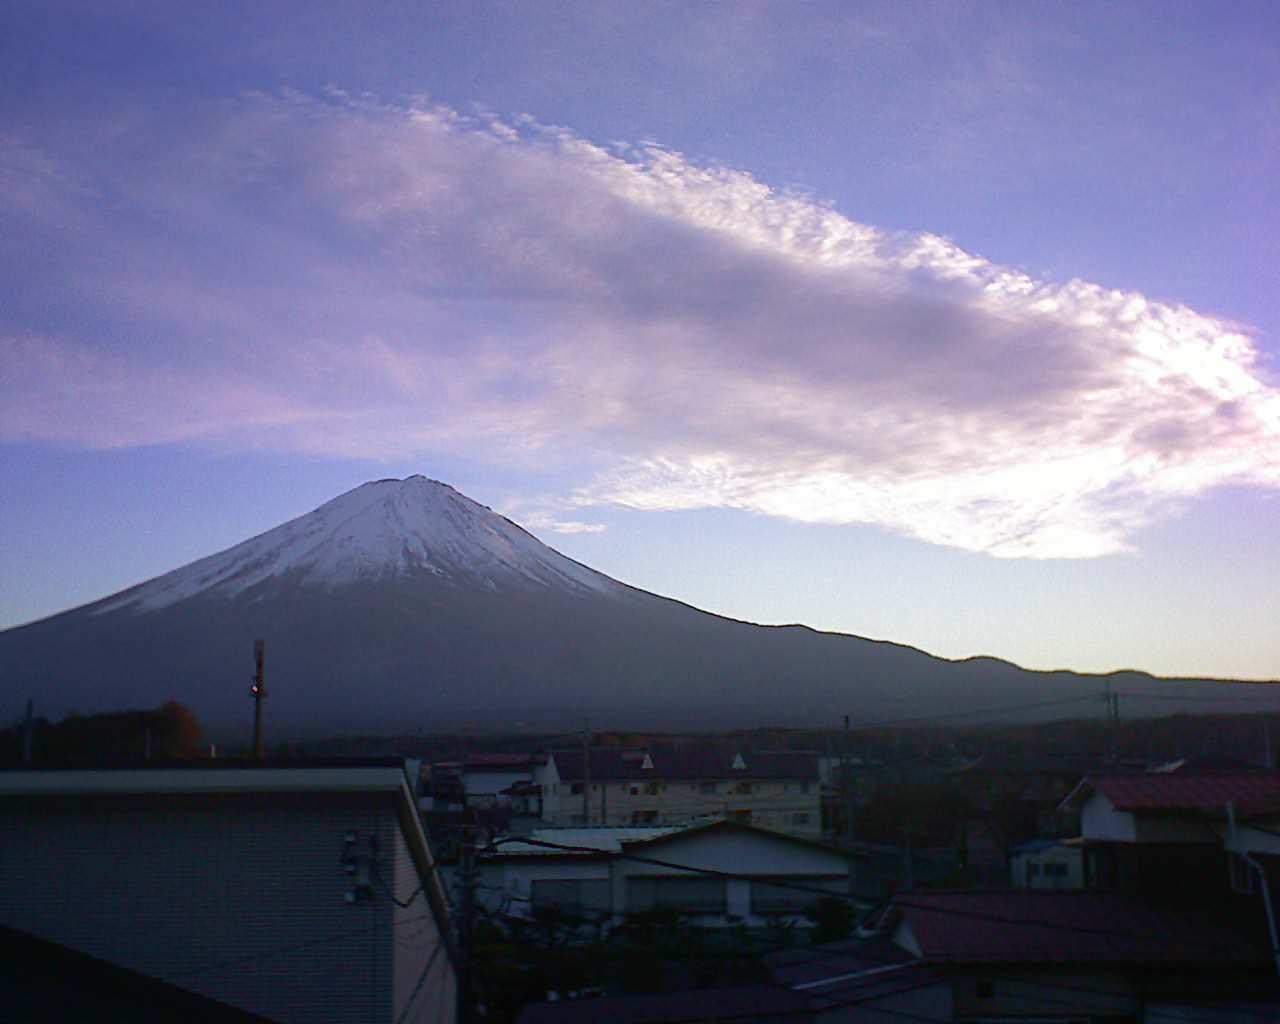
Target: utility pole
466,916
258,692
1112,701
586,772
846,786
28,727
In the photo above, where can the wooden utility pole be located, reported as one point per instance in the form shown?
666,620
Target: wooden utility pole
28,729
846,786
1112,701
258,692
586,772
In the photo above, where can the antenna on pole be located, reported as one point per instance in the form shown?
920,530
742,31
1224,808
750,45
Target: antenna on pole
1112,702
28,729
258,691
586,772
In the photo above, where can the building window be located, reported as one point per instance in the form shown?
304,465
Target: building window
644,817
986,989
742,787
1055,871
804,787
651,788
800,819
742,816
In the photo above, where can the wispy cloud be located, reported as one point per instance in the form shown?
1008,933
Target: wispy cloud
346,278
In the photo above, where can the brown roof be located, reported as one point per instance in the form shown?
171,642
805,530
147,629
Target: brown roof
1184,793
1028,926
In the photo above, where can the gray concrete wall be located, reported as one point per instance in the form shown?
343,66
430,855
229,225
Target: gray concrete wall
239,898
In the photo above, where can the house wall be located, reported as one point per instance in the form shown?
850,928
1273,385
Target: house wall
509,881
1154,828
1031,870
242,899
424,986
513,878
789,806
1099,819
548,777
491,783
739,853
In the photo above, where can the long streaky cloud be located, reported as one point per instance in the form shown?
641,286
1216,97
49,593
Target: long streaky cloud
345,278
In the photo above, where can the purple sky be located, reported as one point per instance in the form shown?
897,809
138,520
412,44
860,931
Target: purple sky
953,325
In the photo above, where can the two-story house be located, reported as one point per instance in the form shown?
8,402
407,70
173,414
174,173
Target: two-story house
777,790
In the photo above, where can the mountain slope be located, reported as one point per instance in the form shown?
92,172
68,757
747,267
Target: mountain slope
403,605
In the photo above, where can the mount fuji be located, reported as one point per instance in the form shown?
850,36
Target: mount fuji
404,605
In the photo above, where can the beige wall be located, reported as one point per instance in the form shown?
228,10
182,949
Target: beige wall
789,806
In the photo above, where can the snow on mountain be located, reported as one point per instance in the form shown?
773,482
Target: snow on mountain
382,529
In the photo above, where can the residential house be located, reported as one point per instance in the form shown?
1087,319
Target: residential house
299,891
777,790
1048,864
1152,832
716,872
1078,956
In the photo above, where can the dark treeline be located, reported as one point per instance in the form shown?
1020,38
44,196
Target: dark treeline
167,732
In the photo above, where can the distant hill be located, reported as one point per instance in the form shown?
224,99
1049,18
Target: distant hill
404,605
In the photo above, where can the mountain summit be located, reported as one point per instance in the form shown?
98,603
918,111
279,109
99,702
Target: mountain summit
381,530
403,605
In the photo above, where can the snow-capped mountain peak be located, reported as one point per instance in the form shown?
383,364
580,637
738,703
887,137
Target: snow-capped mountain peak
379,530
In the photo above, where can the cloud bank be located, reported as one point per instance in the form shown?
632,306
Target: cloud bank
339,277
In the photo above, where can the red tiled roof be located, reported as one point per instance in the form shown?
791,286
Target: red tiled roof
1077,926
1172,793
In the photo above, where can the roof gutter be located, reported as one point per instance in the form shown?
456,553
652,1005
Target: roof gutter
1262,877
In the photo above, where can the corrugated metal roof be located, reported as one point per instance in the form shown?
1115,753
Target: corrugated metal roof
1068,926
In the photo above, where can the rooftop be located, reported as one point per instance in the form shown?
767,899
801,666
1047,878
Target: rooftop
610,764
211,776
1251,792
1026,926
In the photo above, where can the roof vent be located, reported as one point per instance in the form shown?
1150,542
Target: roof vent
739,765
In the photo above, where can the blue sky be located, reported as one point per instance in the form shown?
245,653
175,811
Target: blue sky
954,325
